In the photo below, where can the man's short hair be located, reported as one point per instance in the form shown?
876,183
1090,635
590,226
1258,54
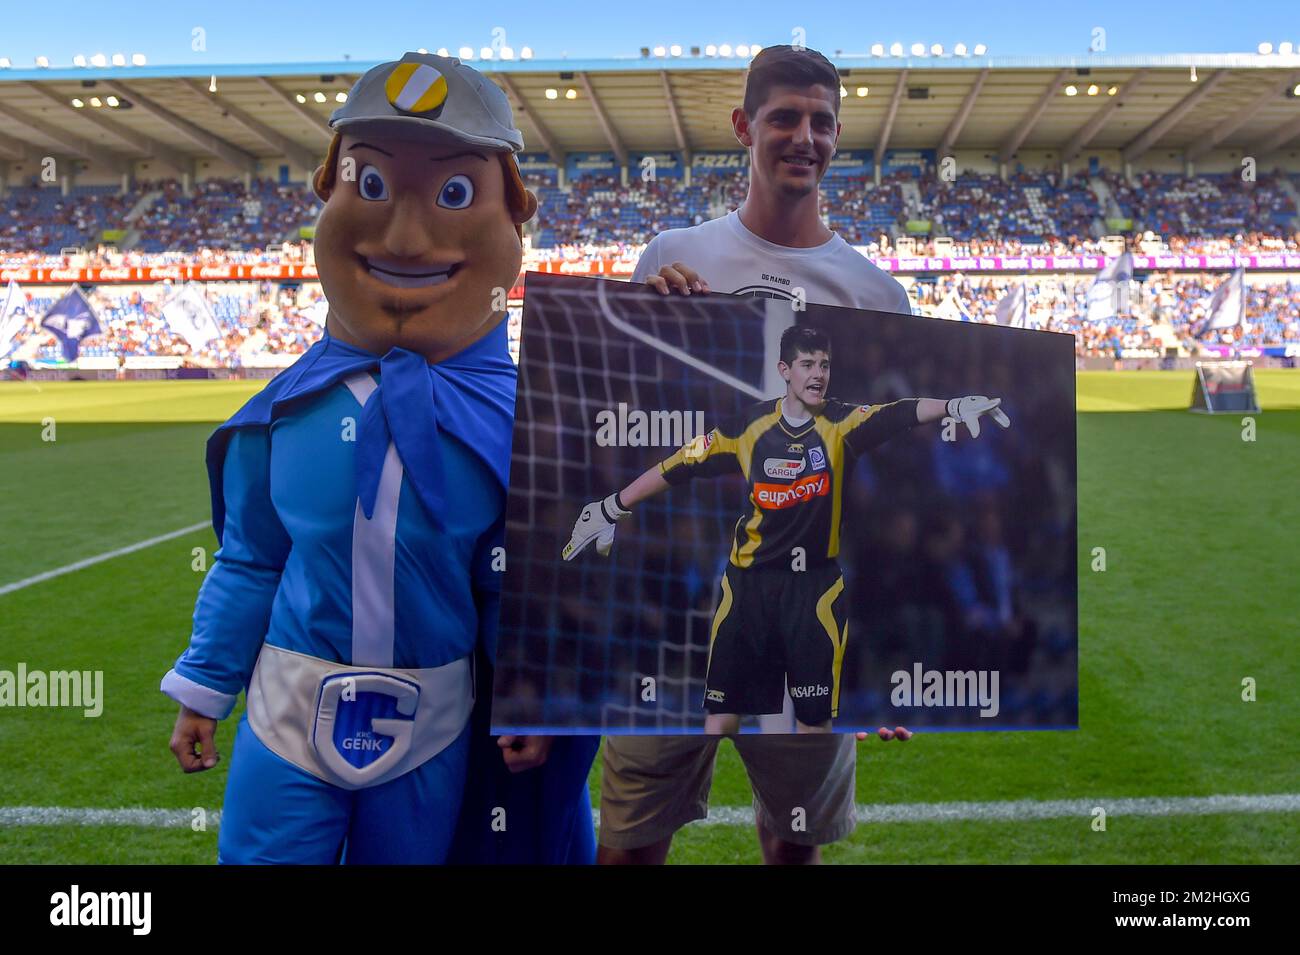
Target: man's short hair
803,339
788,65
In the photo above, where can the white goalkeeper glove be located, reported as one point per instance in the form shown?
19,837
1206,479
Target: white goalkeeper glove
596,523
968,410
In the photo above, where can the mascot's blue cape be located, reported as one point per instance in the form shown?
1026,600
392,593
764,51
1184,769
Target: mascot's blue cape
470,396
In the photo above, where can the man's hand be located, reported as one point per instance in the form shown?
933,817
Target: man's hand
968,410
525,752
595,523
900,733
677,278
195,728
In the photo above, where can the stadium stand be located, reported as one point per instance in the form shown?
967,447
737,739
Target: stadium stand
1032,212
223,214
42,219
216,213
979,213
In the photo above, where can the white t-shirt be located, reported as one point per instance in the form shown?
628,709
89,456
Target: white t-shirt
732,259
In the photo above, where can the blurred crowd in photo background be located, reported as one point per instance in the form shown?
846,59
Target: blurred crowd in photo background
219,222
958,553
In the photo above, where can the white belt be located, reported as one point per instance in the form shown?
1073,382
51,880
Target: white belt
295,701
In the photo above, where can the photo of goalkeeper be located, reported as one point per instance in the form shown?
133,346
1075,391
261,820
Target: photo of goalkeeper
780,619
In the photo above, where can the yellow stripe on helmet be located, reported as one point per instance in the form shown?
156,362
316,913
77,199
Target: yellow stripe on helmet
415,87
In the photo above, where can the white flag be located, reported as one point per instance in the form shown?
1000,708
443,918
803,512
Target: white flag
951,309
13,316
1012,308
318,311
1227,305
189,316
1108,295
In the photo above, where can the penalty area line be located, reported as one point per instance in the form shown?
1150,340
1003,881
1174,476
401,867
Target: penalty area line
99,558
1008,810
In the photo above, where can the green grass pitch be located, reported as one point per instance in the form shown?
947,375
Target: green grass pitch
1199,593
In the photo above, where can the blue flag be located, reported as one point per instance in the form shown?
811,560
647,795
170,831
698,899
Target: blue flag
71,319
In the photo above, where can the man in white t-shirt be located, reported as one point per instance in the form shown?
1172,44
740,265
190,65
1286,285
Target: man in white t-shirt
727,255
775,245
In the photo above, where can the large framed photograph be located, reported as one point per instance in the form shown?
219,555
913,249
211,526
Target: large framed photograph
853,570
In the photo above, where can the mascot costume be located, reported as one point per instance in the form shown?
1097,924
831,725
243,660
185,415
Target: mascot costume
359,503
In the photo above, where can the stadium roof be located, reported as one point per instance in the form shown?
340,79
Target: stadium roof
1003,105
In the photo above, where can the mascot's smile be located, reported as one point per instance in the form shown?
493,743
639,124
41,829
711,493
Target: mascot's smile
409,276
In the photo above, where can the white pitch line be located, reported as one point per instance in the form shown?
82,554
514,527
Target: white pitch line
1018,809
15,816
100,558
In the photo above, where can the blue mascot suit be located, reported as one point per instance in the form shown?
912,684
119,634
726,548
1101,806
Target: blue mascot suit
359,503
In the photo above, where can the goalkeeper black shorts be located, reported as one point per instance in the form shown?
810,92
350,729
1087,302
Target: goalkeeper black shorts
775,627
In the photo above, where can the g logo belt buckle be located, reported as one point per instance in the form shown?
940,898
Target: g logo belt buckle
344,689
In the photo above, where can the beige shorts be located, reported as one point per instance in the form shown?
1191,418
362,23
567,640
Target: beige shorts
651,786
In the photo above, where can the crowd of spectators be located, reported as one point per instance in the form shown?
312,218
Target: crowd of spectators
1203,205
44,220
1164,310
221,222
255,318
1026,207
1030,213
597,209
266,318
215,214
222,214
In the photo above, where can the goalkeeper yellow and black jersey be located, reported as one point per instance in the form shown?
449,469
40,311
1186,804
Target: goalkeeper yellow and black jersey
796,476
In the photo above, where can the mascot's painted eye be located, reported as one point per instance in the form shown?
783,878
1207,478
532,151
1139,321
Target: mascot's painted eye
458,193
371,184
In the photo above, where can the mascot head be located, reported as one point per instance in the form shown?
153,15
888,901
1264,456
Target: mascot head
421,234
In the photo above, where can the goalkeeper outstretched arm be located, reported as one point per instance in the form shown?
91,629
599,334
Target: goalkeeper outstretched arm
597,520
714,453
967,411
706,455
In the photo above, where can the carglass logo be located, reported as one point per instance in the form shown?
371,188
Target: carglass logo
786,468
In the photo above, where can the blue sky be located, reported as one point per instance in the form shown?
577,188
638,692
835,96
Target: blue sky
312,30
